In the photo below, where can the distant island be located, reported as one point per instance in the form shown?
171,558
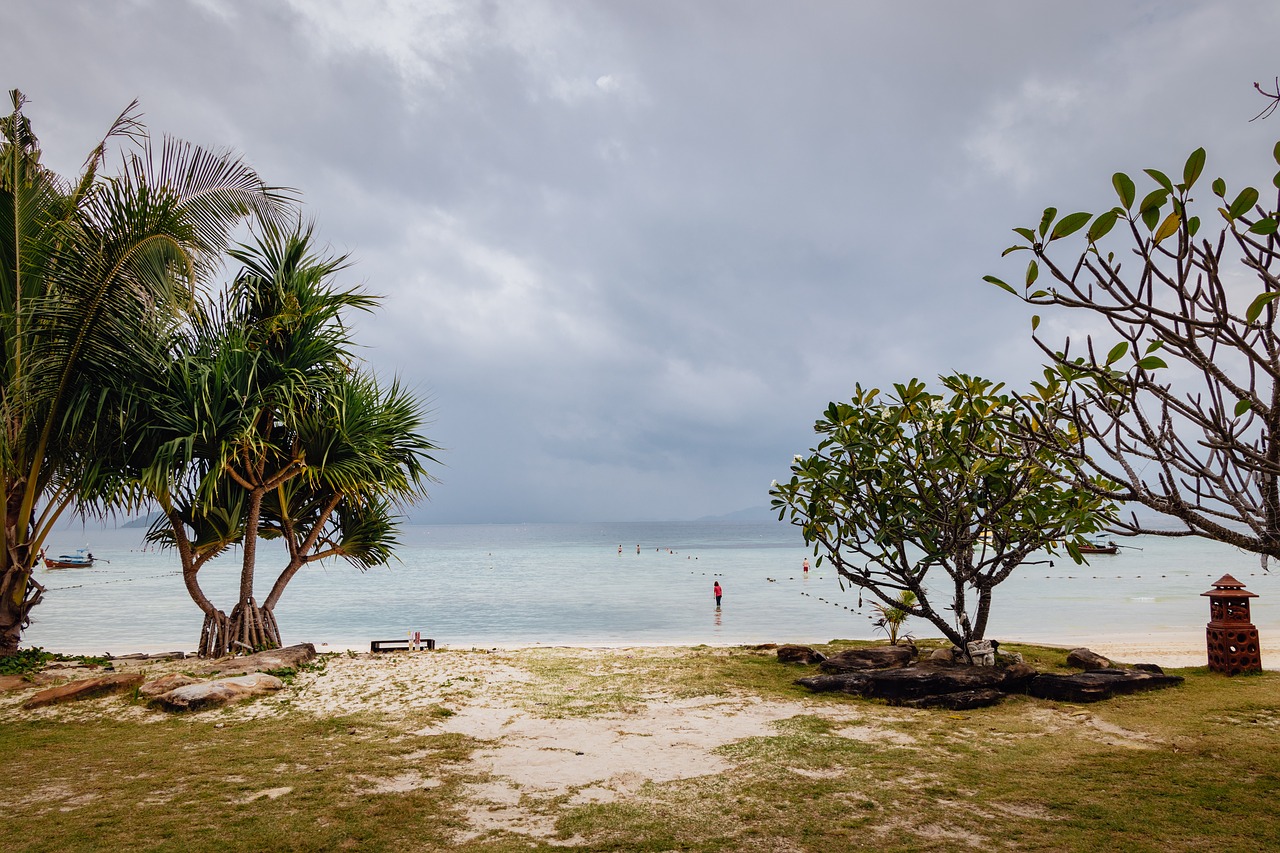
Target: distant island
750,514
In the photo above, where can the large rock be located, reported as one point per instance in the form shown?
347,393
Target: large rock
799,654
926,679
23,682
213,694
1098,684
873,657
1087,659
289,657
964,700
165,683
85,688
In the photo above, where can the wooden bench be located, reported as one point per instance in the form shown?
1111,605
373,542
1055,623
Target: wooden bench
404,644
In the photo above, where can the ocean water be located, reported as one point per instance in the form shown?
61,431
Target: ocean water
487,585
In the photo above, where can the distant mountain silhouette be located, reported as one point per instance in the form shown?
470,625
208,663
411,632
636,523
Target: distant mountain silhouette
751,514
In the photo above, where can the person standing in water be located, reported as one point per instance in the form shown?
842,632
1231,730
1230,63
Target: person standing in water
717,592
806,564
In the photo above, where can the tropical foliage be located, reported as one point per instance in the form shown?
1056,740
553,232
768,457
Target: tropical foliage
265,425
1177,383
93,272
905,488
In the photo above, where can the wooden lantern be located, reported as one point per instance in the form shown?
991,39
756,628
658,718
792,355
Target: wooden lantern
1232,637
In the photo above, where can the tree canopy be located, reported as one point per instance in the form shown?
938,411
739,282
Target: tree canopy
265,424
1176,385
939,495
93,271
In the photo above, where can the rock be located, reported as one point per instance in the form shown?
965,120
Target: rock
23,682
86,688
165,683
926,679
944,655
213,694
289,657
1149,667
963,700
1096,685
799,654
875,657
146,656
1087,659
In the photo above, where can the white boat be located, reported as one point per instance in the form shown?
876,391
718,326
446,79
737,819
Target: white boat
82,558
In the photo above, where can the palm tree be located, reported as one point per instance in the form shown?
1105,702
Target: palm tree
263,426
93,272
365,457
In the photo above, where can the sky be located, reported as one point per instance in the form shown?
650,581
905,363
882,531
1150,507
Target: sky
630,250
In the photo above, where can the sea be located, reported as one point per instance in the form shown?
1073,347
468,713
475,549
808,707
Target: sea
618,584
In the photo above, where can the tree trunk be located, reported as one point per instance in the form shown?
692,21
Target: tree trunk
248,629
19,590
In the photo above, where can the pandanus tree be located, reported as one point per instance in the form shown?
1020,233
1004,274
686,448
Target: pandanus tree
927,501
93,272
266,426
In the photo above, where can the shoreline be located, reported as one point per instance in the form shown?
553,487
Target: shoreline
1180,649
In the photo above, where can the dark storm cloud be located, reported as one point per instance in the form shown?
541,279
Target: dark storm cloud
630,250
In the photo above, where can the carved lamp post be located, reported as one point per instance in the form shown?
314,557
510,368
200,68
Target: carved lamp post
1232,638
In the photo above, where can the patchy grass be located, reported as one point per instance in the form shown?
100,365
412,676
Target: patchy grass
1191,768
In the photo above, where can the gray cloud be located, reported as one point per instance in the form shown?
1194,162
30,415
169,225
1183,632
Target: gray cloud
631,250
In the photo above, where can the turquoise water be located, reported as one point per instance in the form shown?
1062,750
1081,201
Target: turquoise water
485,585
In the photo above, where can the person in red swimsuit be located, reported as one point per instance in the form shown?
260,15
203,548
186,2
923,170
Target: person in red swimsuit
717,592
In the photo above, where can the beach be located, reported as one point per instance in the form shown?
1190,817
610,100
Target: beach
568,746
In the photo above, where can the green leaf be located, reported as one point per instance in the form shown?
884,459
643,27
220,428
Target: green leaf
1012,249
1275,152
1153,200
1152,362
1244,202
998,283
1047,219
1070,224
1193,225
1033,272
1154,345
1241,407
1219,187
1275,180
1167,228
1151,217
1160,178
1035,322
1195,165
1262,301
1124,188
1263,226
1026,232
1117,352
1102,225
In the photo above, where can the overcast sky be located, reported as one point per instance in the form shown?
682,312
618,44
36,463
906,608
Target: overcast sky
630,250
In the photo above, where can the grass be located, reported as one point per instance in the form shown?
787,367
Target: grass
1191,768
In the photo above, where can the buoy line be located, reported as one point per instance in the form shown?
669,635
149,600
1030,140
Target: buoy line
117,580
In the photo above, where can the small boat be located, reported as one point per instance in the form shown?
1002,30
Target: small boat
1097,547
82,558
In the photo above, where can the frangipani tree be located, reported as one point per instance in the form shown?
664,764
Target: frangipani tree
94,272
940,496
1178,387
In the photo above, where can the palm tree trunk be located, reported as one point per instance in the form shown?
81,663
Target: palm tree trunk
19,591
